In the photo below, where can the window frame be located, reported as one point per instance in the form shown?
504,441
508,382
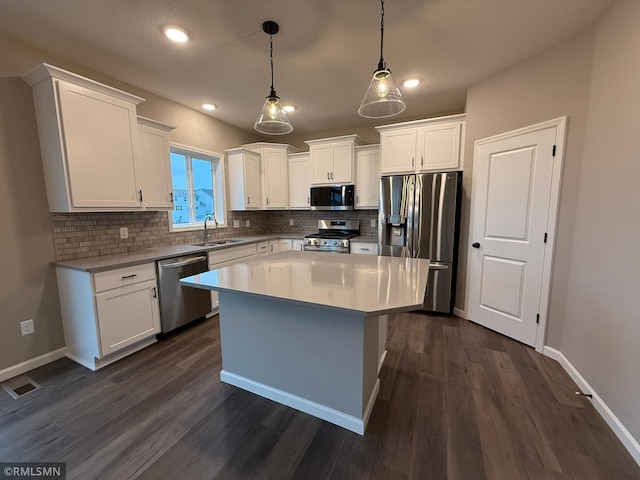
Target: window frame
219,186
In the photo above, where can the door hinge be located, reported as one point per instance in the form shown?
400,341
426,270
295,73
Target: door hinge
553,153
545,237
537,318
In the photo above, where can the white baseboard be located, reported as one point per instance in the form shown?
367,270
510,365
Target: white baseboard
630,443
460,313
381,361
24,367
331,415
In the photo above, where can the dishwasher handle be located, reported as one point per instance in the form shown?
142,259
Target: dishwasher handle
182,264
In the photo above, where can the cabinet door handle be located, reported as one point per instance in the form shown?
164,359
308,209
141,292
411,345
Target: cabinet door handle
140,194
130,276
308,202
421,160
267,200
248,200
357,199
171,196
331,175
328,178
271,248
155,294
412,162
364,249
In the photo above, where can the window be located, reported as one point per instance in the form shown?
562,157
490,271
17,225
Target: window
198,188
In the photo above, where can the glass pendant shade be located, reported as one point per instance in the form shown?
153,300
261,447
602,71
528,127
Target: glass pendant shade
382,99
273,120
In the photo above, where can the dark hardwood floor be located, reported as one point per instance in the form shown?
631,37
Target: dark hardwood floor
457,401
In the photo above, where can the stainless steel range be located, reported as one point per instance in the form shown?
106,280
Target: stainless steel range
333,236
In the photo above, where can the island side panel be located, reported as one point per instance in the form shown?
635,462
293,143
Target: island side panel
308,352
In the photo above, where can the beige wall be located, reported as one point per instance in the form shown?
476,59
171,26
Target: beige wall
27,282
550,85
601,320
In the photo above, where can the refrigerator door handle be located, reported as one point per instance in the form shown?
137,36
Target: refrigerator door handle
417,226
408,193
438,266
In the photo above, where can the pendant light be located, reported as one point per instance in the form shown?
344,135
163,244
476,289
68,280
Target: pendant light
383,99
273,120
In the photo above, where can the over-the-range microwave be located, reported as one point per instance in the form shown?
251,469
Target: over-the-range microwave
332,197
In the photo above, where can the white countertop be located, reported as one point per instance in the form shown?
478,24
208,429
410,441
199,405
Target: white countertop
359,284
108,262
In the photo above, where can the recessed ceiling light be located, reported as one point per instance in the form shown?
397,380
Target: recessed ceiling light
412,82
208,106
289,108
176,34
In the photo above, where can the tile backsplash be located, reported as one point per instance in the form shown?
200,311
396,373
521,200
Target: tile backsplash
82,235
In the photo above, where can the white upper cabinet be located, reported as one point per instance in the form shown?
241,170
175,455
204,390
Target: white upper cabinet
244,179
155,165
332,159
299,181
428,145
274,174
89,142
367,176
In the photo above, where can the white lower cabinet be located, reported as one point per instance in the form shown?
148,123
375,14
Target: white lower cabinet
126,315
110,314
284,244
290,244
365,248
224,258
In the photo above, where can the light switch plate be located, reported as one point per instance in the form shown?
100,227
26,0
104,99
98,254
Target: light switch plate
248,223
124,232
27,327
291,222
236,224
373,222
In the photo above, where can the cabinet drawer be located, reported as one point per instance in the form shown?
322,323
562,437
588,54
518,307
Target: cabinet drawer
263,248
124,276
233,253
364,248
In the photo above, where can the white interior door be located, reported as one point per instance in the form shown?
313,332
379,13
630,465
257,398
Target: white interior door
513,188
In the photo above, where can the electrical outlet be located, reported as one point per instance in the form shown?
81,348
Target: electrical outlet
124,232
291,222
236,224
27,327
373,222
248,223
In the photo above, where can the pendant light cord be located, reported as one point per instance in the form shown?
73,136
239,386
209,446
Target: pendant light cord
381,63
273,92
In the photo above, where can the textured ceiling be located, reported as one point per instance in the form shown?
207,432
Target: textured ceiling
324,54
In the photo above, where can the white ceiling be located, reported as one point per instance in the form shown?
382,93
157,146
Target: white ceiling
324,54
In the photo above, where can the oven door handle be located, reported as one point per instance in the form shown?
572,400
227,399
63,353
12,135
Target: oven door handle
186,262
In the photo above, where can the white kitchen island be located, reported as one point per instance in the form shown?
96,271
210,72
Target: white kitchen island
301,328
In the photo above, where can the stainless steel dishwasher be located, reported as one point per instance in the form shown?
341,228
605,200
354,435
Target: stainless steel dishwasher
180,305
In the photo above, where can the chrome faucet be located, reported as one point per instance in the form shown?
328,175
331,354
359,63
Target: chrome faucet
205,236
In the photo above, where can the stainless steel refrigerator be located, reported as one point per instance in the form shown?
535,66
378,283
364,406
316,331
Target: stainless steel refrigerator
419,217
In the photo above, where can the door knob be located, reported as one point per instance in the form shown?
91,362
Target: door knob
475,245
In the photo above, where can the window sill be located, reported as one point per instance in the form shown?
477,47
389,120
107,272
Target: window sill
193,228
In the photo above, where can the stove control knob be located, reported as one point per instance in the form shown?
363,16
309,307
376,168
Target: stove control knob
335,242
324,242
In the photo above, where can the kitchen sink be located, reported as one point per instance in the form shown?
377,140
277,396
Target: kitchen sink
215,243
